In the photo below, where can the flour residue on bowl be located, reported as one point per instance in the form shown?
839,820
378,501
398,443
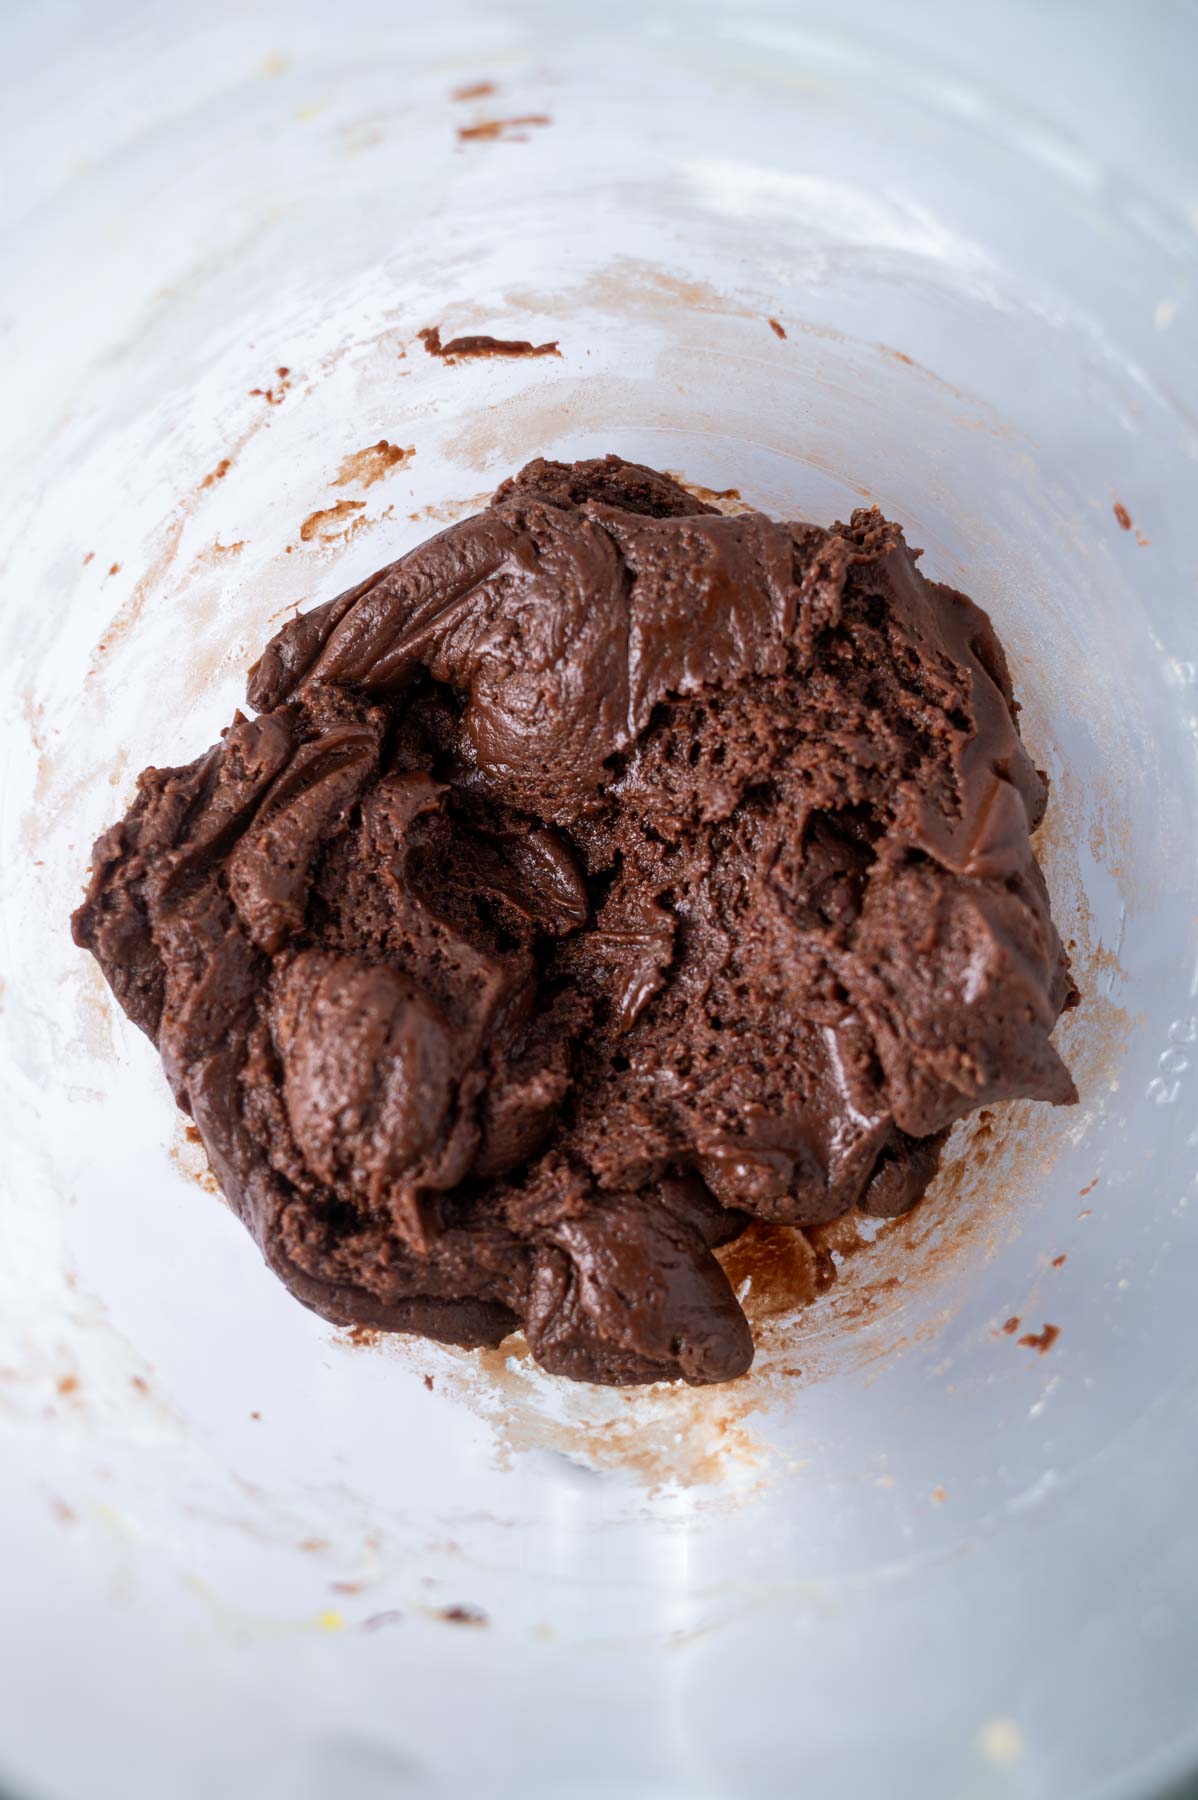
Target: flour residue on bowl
187,1153
665,1437
824,1302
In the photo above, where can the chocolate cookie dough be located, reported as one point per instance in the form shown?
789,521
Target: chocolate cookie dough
599,876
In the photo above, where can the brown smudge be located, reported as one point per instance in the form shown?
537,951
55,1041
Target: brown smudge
939,1496
1058,1262
370,465
1011,1326
724,499
727,500
463,1615
635,286
88,558
324,523
217,553
67,1385
1041,1341
777,329
58,791
190,1158
33,712
508,131
1121,513
165,546
345,1587
218,474
1089,1187
139,1383
166,550
274,394
428,1382
631,283
257,1416
446,512
473,90
463,348
363,1336
315,1545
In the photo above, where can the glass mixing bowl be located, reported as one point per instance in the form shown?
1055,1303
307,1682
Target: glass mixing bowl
824,257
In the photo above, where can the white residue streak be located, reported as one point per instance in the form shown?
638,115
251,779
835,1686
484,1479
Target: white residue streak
833,210
1037,1407
1036,1494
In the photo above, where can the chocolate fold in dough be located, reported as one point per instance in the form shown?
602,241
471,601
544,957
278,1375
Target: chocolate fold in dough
601,875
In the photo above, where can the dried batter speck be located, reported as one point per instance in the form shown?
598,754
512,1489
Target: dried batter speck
374,463
1043,1340
513,131
463,349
